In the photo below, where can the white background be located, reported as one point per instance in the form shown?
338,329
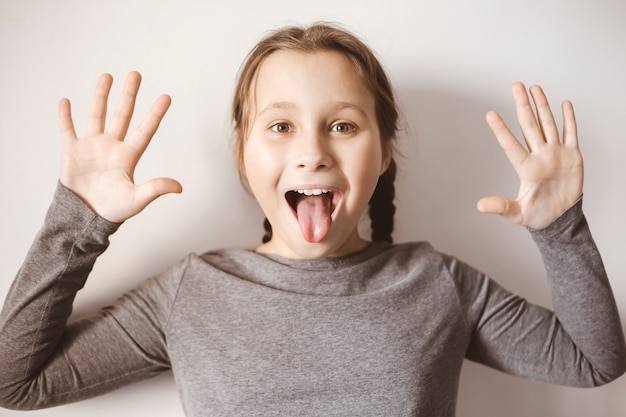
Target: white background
450,62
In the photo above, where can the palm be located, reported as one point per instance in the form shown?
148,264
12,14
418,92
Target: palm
550,169
100,167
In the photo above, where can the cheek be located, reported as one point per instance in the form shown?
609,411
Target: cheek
249,164
251,158
365,167
372,159
259,167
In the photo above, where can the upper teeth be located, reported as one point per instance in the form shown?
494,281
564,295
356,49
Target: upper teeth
314,191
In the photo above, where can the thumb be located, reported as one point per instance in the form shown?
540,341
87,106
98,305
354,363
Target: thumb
149,191
504,207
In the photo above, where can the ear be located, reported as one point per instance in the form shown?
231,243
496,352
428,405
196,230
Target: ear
239,153
386,159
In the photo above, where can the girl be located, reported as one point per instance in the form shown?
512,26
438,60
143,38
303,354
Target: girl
317,320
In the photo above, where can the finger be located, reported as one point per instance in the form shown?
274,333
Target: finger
151,190
504,207
98,110
526,117
570,129
544,114
141,137
513,149
125,106
66,125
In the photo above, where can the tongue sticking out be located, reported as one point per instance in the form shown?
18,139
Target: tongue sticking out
314,216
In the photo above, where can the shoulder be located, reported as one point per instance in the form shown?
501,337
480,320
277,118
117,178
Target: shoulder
422,257
198,268
410,254
418,262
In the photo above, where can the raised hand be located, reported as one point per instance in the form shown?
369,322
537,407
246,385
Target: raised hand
550,169
100,167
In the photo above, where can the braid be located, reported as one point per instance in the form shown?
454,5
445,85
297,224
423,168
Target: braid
268,231
382,208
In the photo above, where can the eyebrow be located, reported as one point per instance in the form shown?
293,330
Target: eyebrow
280,105
342,105
289,106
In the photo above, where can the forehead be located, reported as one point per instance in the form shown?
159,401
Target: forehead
310,78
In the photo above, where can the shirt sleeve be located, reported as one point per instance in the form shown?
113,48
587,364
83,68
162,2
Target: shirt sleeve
46,362
580,344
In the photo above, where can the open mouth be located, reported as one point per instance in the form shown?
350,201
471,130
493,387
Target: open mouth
313,209
295,196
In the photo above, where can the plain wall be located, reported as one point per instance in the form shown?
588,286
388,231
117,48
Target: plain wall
450,63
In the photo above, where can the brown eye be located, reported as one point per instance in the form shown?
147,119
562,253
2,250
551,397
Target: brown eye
281,127
343,127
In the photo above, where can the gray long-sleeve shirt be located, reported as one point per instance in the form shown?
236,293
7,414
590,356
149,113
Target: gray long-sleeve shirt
383,331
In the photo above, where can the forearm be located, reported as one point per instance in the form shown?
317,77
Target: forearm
579,344
34,316
582,296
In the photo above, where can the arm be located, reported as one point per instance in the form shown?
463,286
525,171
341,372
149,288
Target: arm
579,344
582,342
44,361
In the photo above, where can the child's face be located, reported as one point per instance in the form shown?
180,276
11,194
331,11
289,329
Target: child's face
312,129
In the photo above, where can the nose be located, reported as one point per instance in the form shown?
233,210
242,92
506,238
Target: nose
313,151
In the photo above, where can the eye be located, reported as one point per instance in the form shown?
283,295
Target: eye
281,127
343,127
